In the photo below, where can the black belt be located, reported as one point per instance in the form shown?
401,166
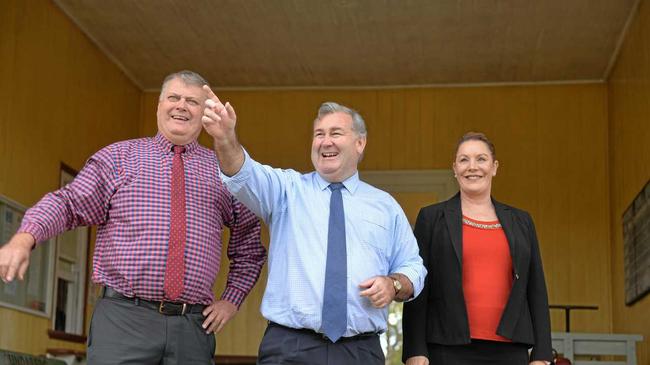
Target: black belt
360,336
166,308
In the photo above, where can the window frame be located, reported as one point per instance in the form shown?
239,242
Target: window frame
67,174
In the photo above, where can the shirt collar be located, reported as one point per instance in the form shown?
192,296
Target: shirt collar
167,146
351,183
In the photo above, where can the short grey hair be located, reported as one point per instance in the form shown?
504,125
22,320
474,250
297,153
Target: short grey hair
187,76
330,107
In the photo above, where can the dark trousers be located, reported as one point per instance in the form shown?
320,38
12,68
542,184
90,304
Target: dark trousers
122,332
283,345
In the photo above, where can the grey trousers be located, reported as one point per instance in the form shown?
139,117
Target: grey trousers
282,345
124,333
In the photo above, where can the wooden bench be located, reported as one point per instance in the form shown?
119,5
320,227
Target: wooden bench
596,345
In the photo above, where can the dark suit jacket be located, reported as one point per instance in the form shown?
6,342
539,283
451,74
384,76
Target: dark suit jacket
438,315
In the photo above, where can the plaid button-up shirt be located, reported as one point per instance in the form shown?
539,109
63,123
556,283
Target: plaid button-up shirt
125,189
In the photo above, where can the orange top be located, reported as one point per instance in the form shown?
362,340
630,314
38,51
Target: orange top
487,276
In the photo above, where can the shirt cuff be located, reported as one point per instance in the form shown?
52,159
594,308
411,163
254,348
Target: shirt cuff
33,229
412,275
233,295
235,182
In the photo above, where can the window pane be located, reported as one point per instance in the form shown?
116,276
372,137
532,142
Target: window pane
32,294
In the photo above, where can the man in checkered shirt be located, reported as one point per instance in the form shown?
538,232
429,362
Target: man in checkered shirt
125,190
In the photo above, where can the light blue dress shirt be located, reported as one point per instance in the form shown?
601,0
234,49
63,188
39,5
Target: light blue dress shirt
295,206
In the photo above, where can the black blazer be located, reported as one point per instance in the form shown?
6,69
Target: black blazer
438,315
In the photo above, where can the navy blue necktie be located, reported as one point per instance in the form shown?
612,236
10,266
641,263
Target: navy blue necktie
335,309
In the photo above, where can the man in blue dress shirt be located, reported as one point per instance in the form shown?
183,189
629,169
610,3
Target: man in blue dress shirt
378,262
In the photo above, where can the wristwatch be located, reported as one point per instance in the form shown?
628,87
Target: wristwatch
396,285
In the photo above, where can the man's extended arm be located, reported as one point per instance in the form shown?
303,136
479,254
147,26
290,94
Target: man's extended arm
80,203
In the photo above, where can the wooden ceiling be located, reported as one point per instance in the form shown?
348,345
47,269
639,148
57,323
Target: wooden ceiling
357,43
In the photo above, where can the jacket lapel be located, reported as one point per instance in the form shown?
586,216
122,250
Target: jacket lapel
505,218
453,216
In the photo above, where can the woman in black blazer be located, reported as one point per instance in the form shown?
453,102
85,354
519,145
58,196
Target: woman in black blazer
484,300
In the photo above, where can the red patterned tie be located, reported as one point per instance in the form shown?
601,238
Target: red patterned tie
175,270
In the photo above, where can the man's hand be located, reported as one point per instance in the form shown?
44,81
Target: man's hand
219,120
217,315
538,362
14,256
379,290
417,360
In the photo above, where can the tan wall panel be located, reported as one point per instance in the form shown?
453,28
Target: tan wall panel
243,334
551,142
412,202
629,131
7,50
60,101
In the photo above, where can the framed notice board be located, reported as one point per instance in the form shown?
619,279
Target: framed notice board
636,243
33,295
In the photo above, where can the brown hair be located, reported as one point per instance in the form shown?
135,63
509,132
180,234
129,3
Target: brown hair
477,136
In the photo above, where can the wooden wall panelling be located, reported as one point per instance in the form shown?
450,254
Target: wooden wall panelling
551,199
7,50
587,201
629,158
255,128
426,130
448,125
398,134
378,121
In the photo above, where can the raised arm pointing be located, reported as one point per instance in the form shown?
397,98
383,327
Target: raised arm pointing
219,121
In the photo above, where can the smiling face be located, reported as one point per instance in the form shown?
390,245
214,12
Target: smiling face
336,148
179,111
474,168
